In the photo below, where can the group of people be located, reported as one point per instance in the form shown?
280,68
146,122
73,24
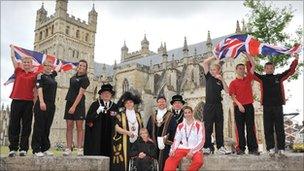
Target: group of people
118,131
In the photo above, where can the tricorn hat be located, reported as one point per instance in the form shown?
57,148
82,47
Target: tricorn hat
107,87
177,97
128,96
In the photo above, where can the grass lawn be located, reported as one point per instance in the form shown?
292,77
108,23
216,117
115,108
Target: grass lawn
4,151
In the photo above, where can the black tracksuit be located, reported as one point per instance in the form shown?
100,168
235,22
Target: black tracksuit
44,119
213,112
273,98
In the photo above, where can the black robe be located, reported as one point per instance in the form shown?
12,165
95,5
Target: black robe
121,144
167,127
178,117
98,138
149,149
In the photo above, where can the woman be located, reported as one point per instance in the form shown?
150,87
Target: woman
44,110
100,123
21,107
144,151
75,107
188,142
127,125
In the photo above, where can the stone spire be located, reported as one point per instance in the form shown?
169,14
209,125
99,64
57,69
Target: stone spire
41,15
93,17
145,45
160,49
124,51
208,42
238,29
61,8
244,28
185,48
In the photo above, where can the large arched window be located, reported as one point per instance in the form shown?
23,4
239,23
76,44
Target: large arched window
77,33
67,30
125,86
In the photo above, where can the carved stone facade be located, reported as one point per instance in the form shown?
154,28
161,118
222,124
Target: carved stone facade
4,120
143,72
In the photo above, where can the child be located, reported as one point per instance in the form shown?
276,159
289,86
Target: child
143,151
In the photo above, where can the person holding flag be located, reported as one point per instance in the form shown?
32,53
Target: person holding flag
22,96
44,109
273,99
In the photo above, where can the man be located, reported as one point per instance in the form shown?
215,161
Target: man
100,123
213,110
240,89
162,126
177,103
273,97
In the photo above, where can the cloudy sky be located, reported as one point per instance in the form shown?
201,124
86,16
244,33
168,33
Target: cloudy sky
167,21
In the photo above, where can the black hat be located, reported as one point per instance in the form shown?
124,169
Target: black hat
161,97
128,96
107,87
177,97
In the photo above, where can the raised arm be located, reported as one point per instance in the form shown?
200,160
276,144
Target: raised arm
252,68
14,61
292,68
206,64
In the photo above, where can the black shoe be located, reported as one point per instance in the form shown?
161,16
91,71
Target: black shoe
255,152
240,152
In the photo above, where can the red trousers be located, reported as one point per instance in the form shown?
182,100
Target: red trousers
173,161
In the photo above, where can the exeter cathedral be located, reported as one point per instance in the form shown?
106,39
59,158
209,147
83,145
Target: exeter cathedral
145,72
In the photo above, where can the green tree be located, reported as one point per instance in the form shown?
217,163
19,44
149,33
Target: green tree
267,24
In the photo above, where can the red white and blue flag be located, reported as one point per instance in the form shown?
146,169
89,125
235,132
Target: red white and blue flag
232,46
38,59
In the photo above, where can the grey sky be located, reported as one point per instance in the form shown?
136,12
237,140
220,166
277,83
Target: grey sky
166,21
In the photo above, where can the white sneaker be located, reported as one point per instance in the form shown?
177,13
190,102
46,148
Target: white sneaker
12,153
79,151
22,153
67,152
223,150
281,153
48,153
39,154
206,150
271,152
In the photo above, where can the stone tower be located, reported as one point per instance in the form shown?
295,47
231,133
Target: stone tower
68,39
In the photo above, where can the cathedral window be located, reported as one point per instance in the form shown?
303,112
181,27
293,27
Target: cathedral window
67,30
52,30
46,32
125,86
87,37
77,33
40,35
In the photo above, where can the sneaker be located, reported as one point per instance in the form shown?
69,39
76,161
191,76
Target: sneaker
223,150
240,152
67,152
79,151
254,152
206,151
48,153
281,153
12,153
22,153
271,152
39,154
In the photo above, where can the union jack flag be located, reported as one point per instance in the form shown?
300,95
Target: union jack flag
232,46
38,58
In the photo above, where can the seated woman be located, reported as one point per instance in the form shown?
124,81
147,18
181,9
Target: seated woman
188,142
143,151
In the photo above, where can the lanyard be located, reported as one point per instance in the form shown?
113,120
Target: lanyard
188,135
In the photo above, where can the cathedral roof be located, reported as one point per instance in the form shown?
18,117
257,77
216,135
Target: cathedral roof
200,47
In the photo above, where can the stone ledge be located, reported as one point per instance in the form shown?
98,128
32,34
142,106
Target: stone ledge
293,161
55,163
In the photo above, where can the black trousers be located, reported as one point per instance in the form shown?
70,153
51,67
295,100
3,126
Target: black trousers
21,115
273,120
42,125
213,114
242,120
144,164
